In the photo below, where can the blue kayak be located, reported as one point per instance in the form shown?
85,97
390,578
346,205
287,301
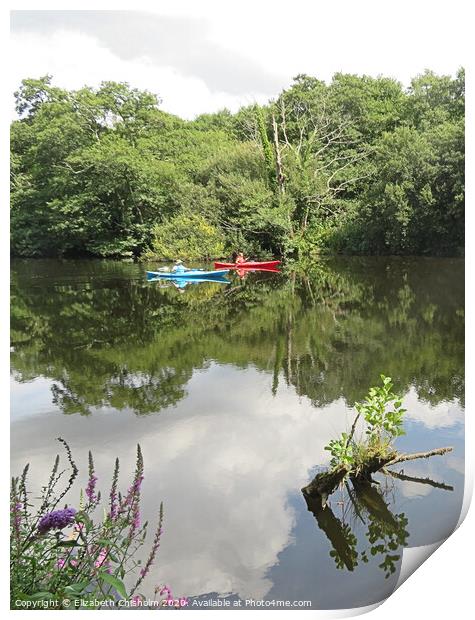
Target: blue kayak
190,273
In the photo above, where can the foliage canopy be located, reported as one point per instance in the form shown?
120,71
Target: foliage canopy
361,165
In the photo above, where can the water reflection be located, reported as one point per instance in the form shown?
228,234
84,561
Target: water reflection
182,283
233,392
386,534
120,342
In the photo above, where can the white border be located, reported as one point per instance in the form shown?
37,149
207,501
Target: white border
442,586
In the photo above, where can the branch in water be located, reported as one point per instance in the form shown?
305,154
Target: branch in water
418,455
325,483
432,483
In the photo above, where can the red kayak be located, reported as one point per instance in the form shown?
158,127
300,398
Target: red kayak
248,265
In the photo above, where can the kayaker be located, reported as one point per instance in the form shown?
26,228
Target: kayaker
178,267
240,259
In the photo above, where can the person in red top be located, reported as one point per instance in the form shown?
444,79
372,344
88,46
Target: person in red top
240,258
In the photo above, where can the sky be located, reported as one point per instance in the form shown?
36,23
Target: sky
201,57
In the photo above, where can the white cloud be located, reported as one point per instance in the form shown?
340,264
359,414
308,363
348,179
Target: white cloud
444,414
416,489
75,59
276,40
456,463
320,38
225,461
225,468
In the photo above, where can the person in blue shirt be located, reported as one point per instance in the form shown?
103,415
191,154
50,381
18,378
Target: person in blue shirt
178,267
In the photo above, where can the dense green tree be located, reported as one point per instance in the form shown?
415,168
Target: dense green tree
359,165
373,105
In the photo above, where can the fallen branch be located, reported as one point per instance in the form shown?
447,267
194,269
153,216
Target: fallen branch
404,477
419,455
326,482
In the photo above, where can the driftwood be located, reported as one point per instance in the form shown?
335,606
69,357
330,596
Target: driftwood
432,483
419,455
326,482
386,531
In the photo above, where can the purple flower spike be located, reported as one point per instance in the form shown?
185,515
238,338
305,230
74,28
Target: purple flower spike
17,514
91,484
90,489
136,520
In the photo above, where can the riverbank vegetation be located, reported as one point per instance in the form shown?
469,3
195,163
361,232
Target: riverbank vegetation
67,553
360,165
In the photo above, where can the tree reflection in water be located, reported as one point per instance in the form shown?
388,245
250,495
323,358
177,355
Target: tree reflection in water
107,338
386,533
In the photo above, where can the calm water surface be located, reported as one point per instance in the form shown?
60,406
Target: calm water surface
233,390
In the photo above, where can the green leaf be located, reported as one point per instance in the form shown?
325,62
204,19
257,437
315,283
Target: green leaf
116,583
40,595
76,588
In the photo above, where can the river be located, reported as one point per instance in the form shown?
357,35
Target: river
233,391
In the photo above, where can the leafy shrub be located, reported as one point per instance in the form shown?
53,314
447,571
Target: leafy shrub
383,413
341,450
186,236
68,553
311,242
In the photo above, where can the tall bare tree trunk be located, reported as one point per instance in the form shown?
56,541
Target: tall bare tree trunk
278,157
